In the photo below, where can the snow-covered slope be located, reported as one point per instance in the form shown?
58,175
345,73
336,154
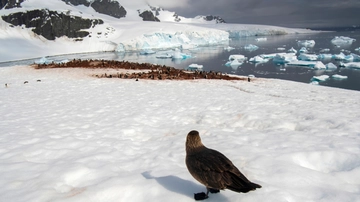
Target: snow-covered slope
74,138
129,33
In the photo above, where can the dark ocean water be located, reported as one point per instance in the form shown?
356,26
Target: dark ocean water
214,58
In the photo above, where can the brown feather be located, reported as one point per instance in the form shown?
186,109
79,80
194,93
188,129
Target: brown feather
213,169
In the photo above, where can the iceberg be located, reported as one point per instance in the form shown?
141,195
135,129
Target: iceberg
281,49
43,60
251,47
261,39
325,56
306,43
342,40
325,50
303,50
239,58
292,50
284,58
233,64
357,49
308,57
235,60
312,64
355,65
179,55
229,48
331,67
338,77
258,59
320,78
272,55
340,56
194,67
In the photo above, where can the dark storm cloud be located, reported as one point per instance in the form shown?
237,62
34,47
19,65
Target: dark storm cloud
292,13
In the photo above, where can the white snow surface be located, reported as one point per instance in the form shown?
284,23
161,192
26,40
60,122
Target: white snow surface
125,34
72,137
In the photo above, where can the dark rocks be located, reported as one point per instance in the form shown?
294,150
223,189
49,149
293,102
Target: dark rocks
8,4
77,2
51,24
148,16
217,19
108,7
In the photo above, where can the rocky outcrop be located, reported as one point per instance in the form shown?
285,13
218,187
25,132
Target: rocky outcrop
148,16
7,4
51,24
107,7
77,2
217,19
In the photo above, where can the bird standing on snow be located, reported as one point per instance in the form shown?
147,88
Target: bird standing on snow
212,169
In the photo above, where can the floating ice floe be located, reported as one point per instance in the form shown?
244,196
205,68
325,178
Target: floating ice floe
308,57
229,48
312,64
355,65
272,55
194,67
235,60
284,58
357,49
164,55
237,57
303,50
325,56
292,50
306,43
340,56
234,63
147,52
331,67
43,60
281,49
339,77
320,78
251,47
258,59
342,40
325,50
179,55
261,39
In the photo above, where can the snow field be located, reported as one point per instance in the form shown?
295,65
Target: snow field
72,137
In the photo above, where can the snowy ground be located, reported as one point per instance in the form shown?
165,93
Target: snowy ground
72,137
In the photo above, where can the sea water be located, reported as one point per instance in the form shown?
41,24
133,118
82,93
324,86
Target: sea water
214,58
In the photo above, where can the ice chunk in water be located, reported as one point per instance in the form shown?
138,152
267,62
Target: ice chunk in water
261,39
303,50
320,78
306,43
338,77
258,59
292,50
330,66
251,47
308,57
342,40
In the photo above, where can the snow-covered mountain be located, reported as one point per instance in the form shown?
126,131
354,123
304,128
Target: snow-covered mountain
35,28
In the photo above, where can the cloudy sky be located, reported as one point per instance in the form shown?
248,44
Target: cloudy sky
293,13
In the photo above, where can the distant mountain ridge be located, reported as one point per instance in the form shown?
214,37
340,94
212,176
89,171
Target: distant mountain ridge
52,23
